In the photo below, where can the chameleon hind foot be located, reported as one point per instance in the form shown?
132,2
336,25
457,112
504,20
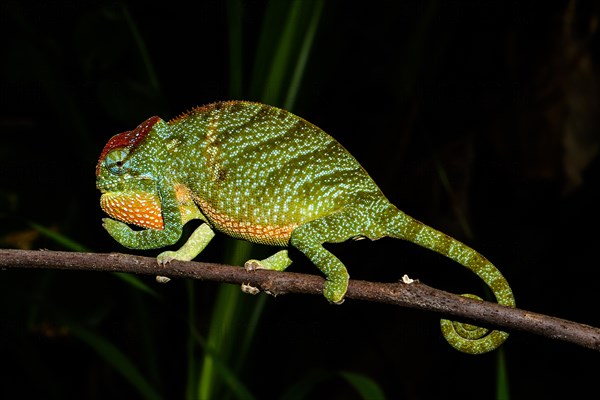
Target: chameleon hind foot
277,262
335,287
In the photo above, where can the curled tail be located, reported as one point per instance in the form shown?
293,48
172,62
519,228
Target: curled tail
464,337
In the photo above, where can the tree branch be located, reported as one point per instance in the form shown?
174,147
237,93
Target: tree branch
413,295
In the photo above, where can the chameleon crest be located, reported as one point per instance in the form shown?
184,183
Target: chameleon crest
262,174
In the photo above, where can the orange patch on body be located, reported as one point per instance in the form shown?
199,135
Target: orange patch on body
187,207
141,209
182,193
265,233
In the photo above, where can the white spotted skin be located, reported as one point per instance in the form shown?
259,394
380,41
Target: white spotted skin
263,174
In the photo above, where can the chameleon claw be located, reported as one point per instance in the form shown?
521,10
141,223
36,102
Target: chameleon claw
277,262
165,258
253,265
249,289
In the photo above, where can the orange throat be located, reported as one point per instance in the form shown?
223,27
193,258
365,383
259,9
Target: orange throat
137,208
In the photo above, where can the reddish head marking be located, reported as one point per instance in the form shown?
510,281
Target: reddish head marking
129,139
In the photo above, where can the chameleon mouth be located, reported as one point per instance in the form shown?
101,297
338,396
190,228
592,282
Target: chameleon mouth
137,208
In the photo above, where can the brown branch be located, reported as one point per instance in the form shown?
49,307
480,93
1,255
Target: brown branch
414,295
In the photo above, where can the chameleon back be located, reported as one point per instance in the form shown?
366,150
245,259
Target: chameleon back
258,171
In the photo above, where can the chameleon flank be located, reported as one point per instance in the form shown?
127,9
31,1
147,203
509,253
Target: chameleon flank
262,174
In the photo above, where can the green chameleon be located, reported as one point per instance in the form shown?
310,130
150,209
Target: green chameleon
262,174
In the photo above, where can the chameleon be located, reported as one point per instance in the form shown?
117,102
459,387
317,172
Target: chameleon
262,174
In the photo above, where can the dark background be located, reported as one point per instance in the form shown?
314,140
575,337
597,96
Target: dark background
479,118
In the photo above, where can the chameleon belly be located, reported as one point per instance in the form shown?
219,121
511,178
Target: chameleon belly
275,235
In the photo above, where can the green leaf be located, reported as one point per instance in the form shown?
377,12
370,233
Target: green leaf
224,326
367,387
141,46
115,358
218,368
272,90
301,389
502,387
137,283
234,15
59,238
309,36
70,244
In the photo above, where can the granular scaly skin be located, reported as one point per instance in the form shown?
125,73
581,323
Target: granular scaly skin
262,174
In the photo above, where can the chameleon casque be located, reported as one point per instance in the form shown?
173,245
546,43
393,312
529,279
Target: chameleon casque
263,174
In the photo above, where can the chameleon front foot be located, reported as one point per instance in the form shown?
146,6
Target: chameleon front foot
163,259
166,257
253,265
194,245
119,230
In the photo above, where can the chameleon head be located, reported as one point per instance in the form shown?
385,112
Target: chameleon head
125,174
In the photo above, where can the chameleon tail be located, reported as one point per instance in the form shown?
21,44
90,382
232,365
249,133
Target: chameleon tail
466,338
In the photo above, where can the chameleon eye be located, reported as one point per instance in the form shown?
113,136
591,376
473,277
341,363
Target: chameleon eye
115,161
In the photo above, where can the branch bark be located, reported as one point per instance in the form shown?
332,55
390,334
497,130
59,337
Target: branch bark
414,295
